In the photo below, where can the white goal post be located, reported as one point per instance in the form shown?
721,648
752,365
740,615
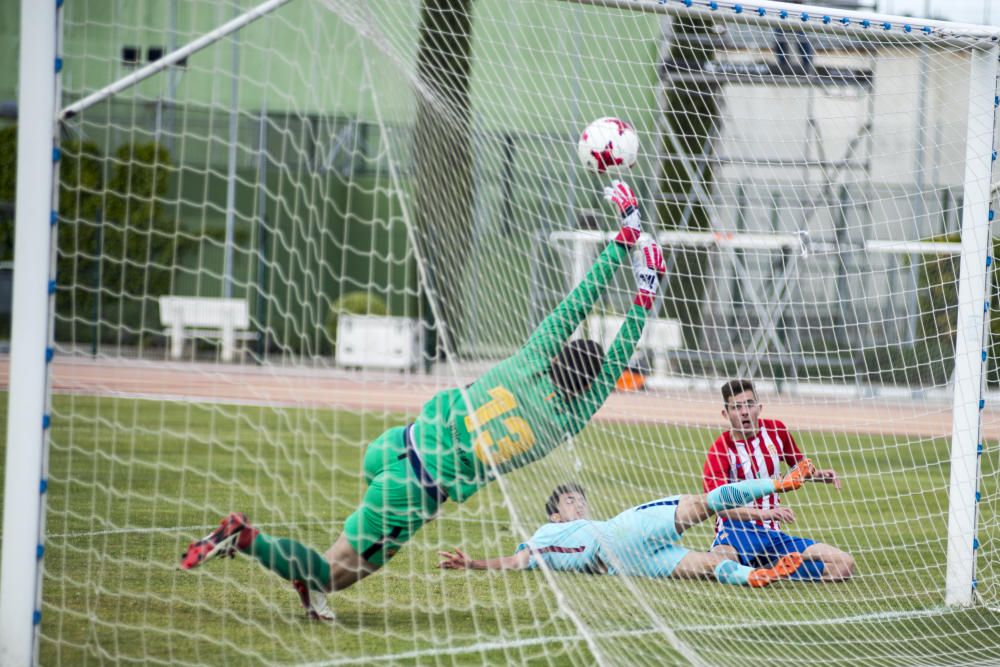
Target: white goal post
818,206
24,476
970,352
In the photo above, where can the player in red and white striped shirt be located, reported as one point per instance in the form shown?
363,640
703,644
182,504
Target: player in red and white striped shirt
754,448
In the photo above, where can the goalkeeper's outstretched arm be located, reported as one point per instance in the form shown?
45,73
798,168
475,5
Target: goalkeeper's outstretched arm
649,269
549,337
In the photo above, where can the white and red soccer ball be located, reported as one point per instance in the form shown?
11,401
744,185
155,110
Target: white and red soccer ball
608,145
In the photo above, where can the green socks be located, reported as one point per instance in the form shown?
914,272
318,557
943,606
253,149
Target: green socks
291,560
738,494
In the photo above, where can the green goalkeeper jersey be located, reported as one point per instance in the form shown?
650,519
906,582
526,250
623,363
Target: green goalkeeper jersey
514,414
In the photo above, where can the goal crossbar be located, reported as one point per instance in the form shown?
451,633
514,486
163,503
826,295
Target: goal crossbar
889,27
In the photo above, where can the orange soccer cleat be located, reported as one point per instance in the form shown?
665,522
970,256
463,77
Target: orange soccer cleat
783,569
795,477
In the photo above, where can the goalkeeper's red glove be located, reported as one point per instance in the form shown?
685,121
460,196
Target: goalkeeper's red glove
648,267
621,195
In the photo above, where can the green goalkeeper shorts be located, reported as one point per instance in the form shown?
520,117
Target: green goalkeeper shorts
395,505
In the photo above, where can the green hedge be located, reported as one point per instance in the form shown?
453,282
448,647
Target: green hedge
8,190
116,246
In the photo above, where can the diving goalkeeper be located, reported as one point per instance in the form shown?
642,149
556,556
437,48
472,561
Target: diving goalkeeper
463,438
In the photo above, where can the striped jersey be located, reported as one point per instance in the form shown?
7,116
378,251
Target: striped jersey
730,460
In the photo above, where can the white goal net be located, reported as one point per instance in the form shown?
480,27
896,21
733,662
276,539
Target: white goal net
282,244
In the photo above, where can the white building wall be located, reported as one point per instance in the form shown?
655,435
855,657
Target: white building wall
900,177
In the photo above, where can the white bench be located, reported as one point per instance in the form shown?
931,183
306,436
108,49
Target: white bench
227,320
379,341
658,337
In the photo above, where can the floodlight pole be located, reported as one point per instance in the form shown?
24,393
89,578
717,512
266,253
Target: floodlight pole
973,305
27,400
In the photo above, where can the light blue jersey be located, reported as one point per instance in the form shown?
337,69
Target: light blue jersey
641,541
570,546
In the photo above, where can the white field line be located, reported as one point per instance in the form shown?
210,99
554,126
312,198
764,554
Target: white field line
194,530
534,641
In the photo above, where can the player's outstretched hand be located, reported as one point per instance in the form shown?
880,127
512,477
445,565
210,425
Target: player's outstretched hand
648,267
621,195
454,561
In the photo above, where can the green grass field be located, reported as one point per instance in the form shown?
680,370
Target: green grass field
132,482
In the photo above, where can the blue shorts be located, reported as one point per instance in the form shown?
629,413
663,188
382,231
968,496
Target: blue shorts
758,546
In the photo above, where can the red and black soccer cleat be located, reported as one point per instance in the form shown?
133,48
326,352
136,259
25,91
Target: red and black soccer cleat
233,534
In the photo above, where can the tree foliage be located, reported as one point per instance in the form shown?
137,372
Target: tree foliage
8,190
116,247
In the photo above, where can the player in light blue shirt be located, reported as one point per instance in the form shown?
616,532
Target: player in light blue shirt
641,541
